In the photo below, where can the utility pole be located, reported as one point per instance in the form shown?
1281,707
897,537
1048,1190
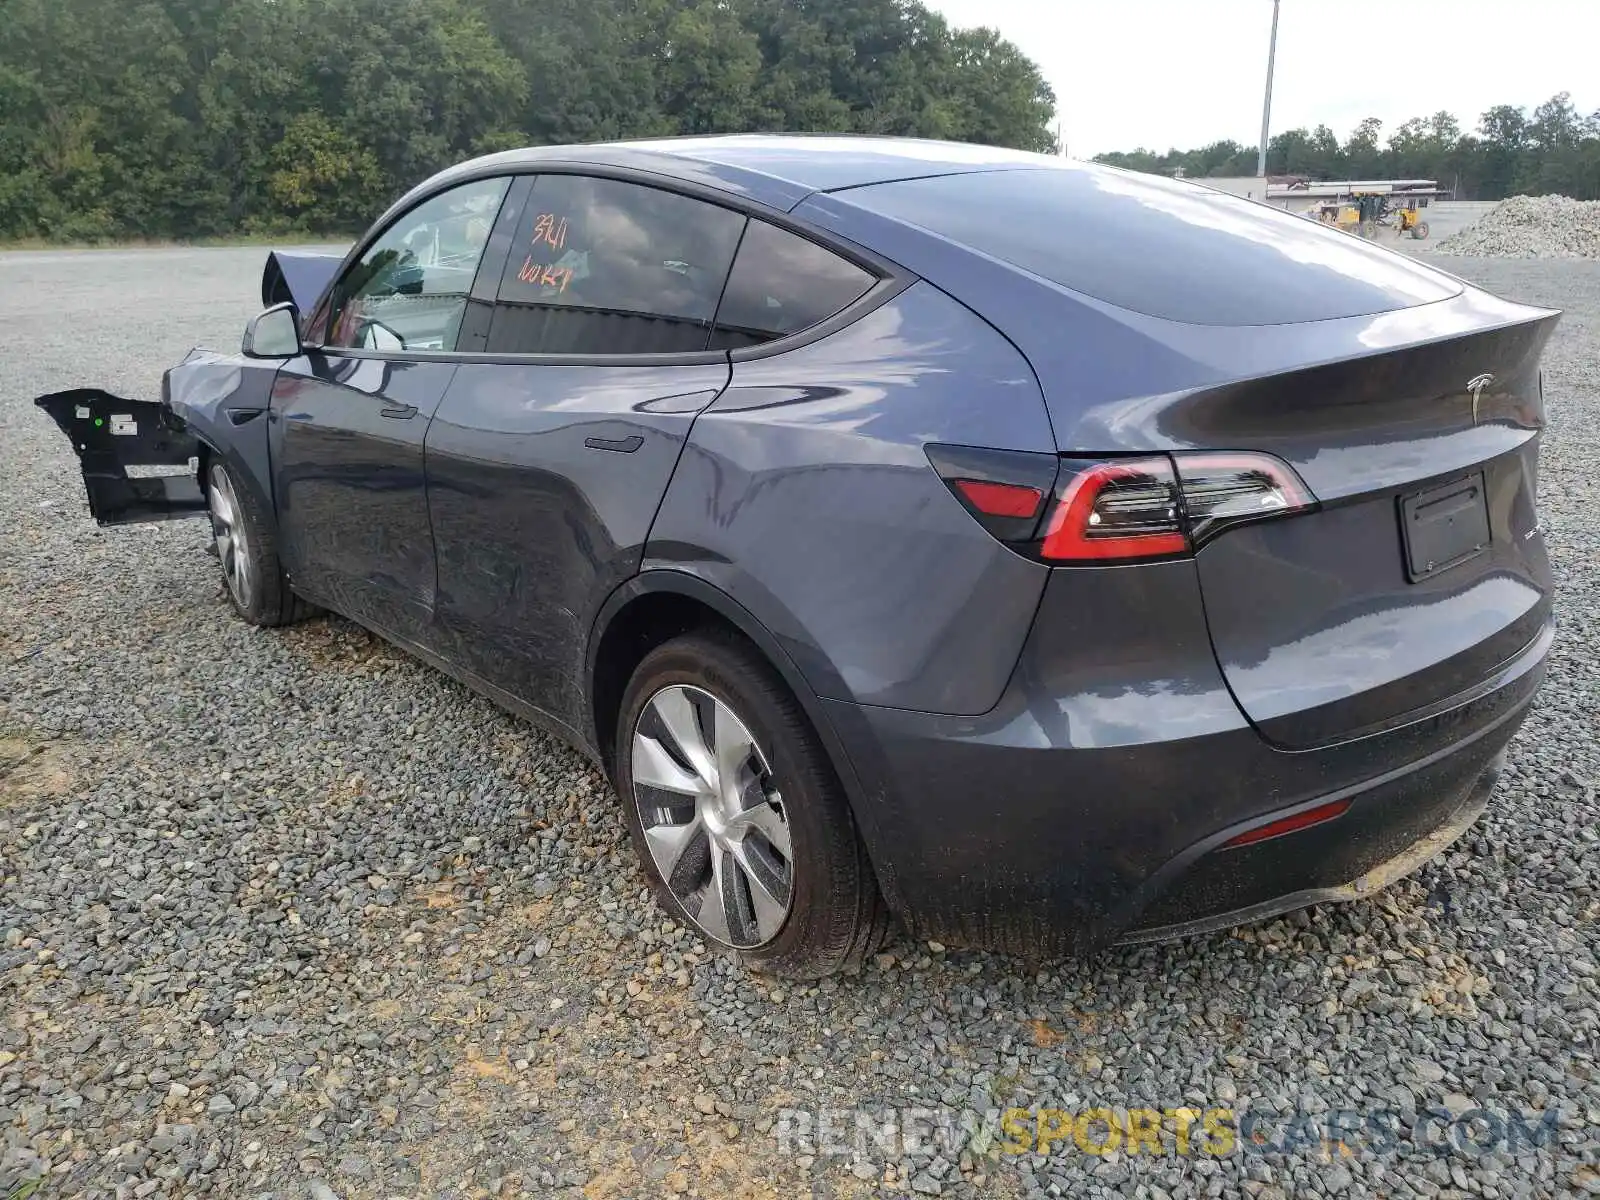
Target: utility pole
1266,105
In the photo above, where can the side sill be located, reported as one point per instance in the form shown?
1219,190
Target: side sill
489,691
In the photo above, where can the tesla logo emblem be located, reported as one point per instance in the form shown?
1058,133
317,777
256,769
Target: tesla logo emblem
1475,385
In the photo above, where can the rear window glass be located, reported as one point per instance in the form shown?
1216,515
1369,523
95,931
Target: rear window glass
1160,247
605,267
782,284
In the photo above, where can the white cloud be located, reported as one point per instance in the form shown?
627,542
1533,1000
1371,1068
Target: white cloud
1165,73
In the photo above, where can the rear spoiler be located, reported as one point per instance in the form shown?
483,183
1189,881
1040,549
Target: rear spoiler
297,277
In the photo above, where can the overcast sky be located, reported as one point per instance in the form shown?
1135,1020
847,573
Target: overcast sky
1181,73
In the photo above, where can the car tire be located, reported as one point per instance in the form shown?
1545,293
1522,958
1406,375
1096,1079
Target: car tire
245,545
724,782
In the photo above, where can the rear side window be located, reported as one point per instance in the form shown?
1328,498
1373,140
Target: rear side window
1173,250
782,284
604,267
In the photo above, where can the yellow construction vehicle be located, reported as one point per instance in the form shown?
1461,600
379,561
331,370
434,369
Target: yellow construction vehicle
1345,217
1408,219
1369,209
1358,215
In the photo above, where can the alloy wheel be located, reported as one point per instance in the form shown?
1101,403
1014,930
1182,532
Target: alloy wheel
227,525
713,820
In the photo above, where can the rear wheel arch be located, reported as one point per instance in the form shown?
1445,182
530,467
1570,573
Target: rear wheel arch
656,606
653,608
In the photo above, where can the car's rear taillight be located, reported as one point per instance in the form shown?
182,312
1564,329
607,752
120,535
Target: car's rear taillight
1223,490
1116,510
1106,510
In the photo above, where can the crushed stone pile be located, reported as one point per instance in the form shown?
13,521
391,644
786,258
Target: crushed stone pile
1532,227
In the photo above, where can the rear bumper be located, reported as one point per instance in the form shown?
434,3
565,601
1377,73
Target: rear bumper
1071,817
1388,832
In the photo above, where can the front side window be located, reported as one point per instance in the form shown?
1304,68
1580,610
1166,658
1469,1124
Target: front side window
409,290
604,267
782,284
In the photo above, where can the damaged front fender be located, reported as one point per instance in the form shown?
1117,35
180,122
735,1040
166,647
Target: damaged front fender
141,458
212,405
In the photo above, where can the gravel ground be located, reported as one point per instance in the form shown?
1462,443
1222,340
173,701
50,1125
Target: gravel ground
286,914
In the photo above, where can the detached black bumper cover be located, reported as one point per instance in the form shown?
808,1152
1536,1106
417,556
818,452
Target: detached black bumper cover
109,435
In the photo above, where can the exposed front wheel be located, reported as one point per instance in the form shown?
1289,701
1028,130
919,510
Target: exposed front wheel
247,550
739,820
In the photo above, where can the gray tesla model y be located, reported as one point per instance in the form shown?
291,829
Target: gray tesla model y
1046,554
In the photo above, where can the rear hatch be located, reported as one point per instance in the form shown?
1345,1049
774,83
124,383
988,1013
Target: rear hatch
1166,319
1421,571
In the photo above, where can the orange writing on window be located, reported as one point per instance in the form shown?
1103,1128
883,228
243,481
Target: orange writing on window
549,228
540,275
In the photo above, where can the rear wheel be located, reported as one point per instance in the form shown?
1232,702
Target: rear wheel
248,553
738,818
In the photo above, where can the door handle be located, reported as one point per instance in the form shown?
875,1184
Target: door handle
399,411
622,445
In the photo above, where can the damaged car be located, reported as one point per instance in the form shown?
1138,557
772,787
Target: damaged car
1047,555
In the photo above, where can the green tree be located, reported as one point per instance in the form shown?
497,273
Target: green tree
179,118
994,94
1363,158
1555,150
419,82
589,67
320,176
708,67
1505,135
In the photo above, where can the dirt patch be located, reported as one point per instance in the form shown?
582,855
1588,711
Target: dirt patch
341,644
715,1165
32,769
1045,1037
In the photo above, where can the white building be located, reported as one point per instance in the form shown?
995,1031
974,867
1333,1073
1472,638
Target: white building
1299,196
1251,187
